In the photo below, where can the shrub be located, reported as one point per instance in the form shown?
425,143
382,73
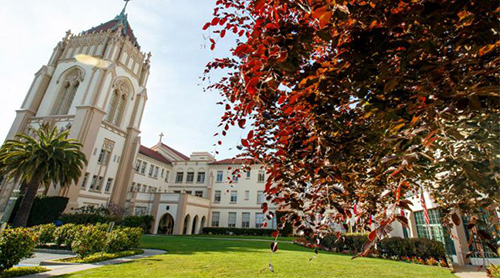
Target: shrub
122,239
102,256
65,234
88,240
88,218
493,271
145,222
15,245
428,248
237,231
45,209
45,233
346,244
22,271
396,246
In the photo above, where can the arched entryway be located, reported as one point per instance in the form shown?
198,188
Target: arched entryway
186,224
166,225
195,224
202,224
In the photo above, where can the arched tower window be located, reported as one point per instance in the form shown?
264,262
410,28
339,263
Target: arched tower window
67,92
117,103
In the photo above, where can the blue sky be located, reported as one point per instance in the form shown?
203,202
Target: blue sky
170,29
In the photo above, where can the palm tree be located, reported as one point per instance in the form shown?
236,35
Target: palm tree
45,158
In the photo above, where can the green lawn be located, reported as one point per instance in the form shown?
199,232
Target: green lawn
198,257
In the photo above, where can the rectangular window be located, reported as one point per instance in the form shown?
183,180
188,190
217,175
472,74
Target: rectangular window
201,177
104,157
215,218
220,176
245,220
99,184
248,174
261,177
235,177
198,194
231,222
143,168
108,185
138,165
132,187
217,195
93,182
259,219
162,172
179,177
190,177
156,171
167,175
177,191
151,169
247,195
84,181
189,192
435,227
234,196
260,197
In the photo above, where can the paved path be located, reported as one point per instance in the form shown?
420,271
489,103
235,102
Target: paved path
43,256
469,272
66,269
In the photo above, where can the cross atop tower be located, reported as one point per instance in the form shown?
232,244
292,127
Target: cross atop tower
161,136
125,7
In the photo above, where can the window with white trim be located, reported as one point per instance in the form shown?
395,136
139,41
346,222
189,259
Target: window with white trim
215,218
245,220
231,222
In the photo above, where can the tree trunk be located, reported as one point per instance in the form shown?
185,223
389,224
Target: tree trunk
23,213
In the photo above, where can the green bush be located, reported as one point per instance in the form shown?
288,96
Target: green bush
45,209
15,245
22,271
65,234
122,239
88,218
237,231
389,247
88,240
45,233
145,222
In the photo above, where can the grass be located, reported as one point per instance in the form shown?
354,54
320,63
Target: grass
192,256
100,257
21,271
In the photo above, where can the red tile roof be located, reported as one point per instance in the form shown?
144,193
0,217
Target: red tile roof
185,157
153,154
234,161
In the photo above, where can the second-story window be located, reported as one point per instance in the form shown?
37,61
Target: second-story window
234,196
249,173
105,154
190,177
261,177
67,93
143,168
247,195
151,169
260,197
220,176
179,177
156,172
84,181
117,103
108,185
201,177
167,174
217,196
138,165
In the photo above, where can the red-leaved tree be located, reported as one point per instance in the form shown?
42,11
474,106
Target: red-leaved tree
364,102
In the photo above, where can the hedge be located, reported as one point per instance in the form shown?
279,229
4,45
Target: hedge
389,247
45,209
145,222
15,245
237,231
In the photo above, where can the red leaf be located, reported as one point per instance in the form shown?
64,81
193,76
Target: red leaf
274,246
241,123
215,21
372,236
275,234
222,33
205,27
244,142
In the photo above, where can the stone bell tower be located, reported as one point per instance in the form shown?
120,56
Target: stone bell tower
100,97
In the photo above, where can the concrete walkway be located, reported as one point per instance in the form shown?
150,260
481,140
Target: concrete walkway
469,272
57,269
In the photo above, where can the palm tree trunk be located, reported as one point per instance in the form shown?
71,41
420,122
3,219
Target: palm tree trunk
23,213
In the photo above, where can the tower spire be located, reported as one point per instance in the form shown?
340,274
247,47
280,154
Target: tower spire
125,7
